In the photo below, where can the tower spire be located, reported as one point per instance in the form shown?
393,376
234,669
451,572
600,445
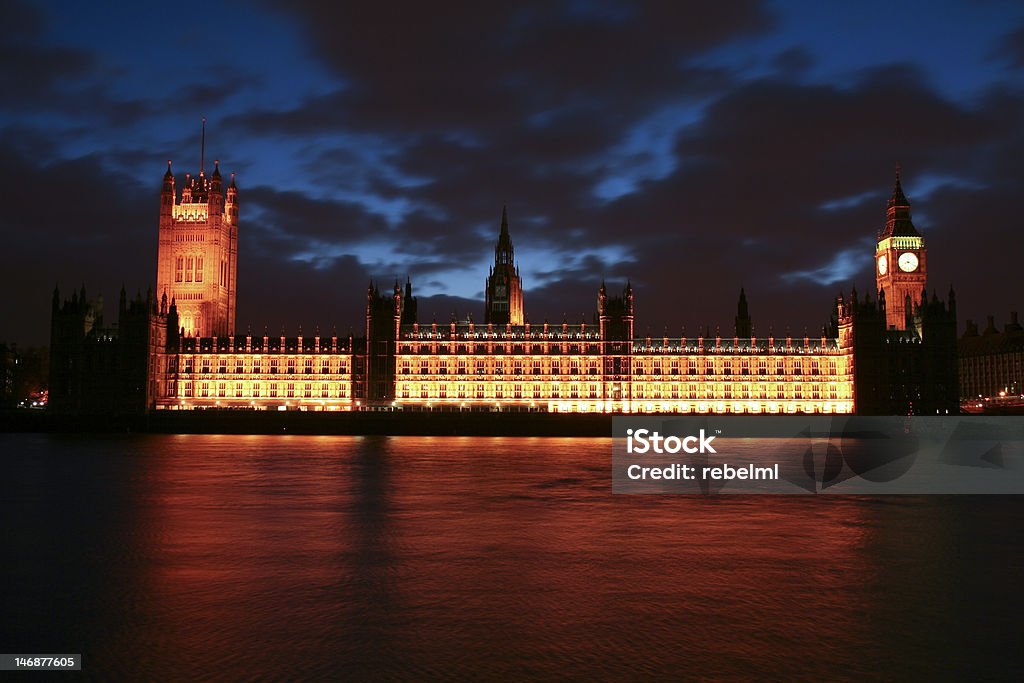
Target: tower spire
897,219
202,149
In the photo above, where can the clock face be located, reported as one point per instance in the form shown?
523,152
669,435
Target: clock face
908,262
500,291
883,264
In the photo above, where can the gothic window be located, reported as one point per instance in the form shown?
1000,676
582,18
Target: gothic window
189,265
179,265
199,269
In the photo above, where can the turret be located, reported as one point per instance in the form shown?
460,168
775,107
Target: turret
615,314
231,205
408,305
216,190
167,193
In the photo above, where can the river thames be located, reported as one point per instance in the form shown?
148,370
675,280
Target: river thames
301,557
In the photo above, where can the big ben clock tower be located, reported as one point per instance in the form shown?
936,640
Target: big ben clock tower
900,260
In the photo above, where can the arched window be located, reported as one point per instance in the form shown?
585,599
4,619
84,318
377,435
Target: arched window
199,269
189,265
178,268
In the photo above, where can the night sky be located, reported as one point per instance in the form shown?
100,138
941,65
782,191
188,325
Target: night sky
694,147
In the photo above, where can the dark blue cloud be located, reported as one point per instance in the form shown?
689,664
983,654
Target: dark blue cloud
689,146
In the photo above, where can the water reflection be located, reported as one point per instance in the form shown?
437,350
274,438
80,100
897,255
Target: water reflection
300,557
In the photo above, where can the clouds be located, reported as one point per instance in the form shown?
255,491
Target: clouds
629,140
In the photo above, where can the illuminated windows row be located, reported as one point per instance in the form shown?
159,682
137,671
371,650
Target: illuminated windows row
496,391
192,389
741,391
264,365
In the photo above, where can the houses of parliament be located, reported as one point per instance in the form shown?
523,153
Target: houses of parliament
890,351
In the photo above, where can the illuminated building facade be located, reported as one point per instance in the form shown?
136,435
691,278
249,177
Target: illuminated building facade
869,360
197,258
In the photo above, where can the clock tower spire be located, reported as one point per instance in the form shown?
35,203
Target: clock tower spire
900,263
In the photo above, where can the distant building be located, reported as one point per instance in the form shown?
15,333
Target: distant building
992,361
889,353
104,369
8,373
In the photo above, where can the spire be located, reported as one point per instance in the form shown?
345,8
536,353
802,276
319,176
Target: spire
168,175
202,149
504,253
898,198
897,219
744,328
216,168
